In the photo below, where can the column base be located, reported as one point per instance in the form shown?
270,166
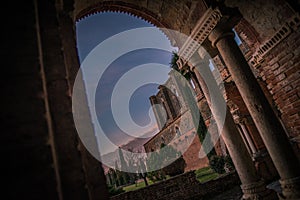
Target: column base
257,191
290,188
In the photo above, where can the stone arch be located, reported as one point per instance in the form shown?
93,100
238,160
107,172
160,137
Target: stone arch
162,14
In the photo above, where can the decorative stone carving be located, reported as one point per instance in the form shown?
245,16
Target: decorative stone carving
201,31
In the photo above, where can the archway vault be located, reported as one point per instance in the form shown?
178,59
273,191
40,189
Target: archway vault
162,14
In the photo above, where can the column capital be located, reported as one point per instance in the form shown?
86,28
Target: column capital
219,33
201,57
204,26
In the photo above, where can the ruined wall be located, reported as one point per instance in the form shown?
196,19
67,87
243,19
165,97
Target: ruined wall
187,143
183,186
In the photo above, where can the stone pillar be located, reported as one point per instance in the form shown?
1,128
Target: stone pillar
244,139
260,110
252,186
197,86
247,136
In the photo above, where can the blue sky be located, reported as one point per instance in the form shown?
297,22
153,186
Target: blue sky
91,32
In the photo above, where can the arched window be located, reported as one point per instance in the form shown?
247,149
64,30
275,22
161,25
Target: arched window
174,91
163,102
178,133
163,139
192,83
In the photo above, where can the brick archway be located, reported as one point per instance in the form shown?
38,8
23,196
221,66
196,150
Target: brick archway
159,13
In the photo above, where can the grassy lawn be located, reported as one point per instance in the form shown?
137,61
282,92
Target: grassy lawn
205,174
135,187
140,185
202,175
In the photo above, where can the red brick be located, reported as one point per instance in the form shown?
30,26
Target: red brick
279,94
285,59
291,71
275,66
273,61
281,77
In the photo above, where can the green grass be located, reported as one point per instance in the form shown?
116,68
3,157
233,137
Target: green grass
135,187
202,175
205,174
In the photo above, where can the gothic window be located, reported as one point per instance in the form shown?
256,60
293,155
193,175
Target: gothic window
240,42
192,83
178,133
175,91
163,139
165,108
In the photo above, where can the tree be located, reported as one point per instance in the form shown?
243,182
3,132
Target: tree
142,170
112,176
169,162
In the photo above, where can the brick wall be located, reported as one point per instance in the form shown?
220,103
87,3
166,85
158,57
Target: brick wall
281,72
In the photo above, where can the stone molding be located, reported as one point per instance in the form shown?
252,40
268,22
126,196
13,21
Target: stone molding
203,28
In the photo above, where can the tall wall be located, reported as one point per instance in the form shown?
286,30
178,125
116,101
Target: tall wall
45,158
28,167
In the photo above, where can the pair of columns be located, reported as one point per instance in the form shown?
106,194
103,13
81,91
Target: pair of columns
267,123
252,186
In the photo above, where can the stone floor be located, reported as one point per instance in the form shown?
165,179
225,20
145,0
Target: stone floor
234,193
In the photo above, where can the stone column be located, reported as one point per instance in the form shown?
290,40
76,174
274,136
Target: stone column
260,110
247,136
252,186
197,86
244,139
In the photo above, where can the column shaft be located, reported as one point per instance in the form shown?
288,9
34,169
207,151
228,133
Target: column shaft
263,116
230,134
248,138
265,119
252,186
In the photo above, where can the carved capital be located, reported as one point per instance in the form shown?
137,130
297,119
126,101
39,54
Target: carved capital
201,31
219,33
205,25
